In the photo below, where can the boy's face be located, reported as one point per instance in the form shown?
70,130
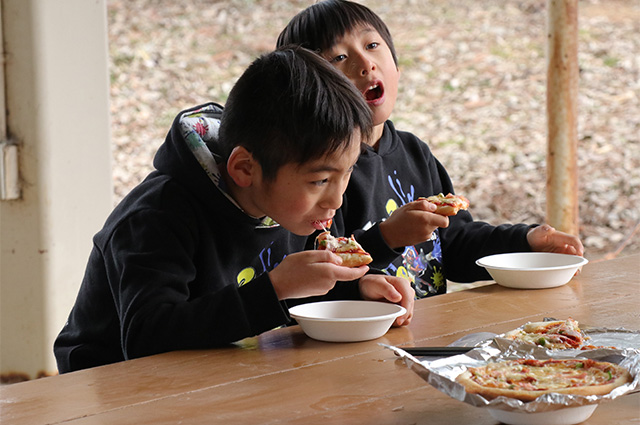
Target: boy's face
363,56
304,195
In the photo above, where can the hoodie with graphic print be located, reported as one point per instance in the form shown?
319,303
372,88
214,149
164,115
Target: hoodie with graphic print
178,265
400,171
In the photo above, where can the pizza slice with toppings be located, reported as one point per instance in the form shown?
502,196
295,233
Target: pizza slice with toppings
448,205
351,252
527,379
556,334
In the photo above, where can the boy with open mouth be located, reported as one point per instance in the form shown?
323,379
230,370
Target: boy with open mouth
381,207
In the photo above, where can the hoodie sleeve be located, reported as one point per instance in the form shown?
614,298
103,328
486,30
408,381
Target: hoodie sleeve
151,259
466,240
373,242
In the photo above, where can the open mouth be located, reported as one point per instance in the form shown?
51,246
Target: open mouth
374,92
322,224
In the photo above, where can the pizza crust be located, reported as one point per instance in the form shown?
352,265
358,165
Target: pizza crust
446,210
355,260
490,393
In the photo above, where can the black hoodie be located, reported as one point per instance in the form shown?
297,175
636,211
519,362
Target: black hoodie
400,171
178,265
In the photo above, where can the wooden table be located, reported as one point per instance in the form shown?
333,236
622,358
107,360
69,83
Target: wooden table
286,378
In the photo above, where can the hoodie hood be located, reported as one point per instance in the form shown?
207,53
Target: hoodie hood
185,153
190,154
200,133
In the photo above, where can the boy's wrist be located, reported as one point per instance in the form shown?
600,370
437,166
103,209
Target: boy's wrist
387,235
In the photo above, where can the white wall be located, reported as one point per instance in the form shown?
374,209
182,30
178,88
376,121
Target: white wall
57,101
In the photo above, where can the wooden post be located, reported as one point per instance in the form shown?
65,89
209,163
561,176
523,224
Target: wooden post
562,116
64,168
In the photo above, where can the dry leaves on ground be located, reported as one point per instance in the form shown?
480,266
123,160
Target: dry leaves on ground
472,87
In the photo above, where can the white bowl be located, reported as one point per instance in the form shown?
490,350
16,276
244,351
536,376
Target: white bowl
568,416
532,270
346,321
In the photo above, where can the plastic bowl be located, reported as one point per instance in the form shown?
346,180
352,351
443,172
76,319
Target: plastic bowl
346,321
532,270
568,416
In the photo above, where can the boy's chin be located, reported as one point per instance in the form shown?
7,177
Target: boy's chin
380,116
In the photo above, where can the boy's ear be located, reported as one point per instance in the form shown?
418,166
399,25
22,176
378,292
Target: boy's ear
242,167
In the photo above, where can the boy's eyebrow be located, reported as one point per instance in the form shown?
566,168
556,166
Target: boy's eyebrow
321,168
326,167
364,29
367,29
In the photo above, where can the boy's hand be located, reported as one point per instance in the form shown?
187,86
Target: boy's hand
547,239
310,273
397,290
411,224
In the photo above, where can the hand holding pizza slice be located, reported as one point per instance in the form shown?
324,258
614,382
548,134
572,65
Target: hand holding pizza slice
448,205
351,252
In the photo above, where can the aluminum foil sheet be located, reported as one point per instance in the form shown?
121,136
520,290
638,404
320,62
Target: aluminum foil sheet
441,373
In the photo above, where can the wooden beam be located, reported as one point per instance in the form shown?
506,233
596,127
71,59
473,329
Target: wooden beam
562,116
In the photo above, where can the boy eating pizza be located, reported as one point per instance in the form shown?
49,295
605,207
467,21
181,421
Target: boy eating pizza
404,234
204,252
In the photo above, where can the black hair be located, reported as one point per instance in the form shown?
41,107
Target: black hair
320,26
292,106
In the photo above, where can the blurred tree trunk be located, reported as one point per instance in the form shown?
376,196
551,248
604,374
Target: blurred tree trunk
562,115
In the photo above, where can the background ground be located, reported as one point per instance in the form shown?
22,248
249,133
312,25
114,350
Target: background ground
472,87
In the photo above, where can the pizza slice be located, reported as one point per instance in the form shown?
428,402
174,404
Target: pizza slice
448,205
527,379
352,254
556,334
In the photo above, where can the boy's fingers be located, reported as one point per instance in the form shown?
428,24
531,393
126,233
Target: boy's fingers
325,256
350,273
423,204
385,290
405,319
392,294
569,243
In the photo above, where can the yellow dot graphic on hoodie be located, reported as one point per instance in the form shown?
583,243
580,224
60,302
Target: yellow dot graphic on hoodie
391,206
246,275
402,272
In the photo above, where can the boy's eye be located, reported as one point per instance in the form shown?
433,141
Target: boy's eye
320,182
373,45
338,58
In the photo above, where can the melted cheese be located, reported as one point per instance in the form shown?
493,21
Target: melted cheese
450,199
536,375
553,335
340,244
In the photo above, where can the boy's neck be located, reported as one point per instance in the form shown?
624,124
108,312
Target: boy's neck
234,192
376,135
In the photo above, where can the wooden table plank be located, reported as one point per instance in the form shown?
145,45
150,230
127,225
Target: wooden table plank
285,376
330,387
426,406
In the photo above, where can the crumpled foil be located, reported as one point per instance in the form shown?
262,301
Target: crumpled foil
442,373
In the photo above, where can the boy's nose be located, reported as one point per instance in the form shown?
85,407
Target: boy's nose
333,198
362,65
366,67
